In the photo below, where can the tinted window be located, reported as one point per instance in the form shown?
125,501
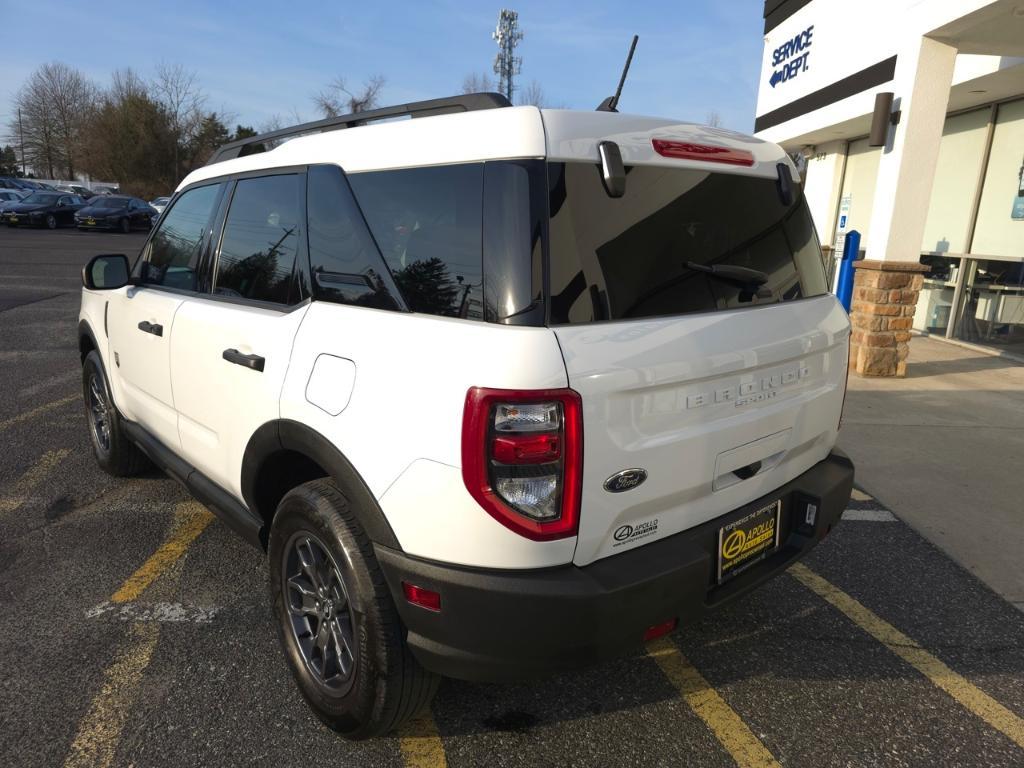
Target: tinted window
625,258
427,223
257,251
344,260
175,249
111,202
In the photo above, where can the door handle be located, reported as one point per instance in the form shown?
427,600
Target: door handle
253,362
155,328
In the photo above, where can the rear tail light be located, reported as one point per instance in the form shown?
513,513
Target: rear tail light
522,454
708,153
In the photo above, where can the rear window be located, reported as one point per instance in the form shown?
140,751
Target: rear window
640,255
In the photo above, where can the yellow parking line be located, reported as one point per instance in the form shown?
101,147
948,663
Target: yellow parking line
190,519
32,477
420,742
966,693
738,740
99,732
37,411
859,495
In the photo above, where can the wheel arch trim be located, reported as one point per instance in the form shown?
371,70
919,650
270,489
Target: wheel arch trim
287,435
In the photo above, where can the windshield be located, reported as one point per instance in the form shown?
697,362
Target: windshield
110,202
41,198
649,253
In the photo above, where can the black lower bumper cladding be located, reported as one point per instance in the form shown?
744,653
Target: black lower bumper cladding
497,625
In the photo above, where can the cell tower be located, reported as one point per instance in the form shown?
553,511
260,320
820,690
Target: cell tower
506,64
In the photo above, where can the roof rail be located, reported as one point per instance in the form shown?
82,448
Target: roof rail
468,102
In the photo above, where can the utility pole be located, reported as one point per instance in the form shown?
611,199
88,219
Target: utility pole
506,64
21,140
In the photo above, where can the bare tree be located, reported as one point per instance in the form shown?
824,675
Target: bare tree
55,103
178,92
714,119
477,83
337,99
532,95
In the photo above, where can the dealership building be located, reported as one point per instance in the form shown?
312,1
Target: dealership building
936,191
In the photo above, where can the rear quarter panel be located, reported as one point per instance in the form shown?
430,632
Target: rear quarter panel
401,427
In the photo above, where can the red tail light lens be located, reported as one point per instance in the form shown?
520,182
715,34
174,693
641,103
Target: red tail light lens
708,153
522,454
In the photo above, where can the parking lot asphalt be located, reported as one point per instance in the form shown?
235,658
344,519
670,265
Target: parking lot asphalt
136,629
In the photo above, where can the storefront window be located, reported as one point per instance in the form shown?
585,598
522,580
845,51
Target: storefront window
992,307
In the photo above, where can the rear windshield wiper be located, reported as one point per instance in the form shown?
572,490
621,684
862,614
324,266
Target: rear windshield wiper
750,279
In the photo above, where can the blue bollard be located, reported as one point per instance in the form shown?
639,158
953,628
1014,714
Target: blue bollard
844,290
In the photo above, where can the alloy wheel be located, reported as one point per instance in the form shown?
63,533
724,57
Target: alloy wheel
99,413
319,612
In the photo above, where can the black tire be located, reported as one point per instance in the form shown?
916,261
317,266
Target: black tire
116,455
51,221
385,685
126,226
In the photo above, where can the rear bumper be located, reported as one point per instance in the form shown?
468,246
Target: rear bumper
506,625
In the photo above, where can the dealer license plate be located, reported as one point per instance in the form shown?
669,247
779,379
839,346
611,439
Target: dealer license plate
747,541
90,222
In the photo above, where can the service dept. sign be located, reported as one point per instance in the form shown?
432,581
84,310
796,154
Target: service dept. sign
790,58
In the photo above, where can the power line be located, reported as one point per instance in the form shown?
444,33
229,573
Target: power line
506,64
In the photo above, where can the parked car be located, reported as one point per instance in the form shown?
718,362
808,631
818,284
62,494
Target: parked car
10,182
43,209
106,190
501,392
159,204
11,196
116,212
76,189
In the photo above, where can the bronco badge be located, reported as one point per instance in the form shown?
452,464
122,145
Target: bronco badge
625,480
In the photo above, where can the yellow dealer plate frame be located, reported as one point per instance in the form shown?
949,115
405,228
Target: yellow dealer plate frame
749,540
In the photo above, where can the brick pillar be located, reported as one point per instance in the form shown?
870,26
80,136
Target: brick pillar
884,300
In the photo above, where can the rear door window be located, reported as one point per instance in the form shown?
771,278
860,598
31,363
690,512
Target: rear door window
427,224
641,255
261,239
175,249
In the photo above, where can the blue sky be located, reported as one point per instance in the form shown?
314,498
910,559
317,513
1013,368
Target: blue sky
255,60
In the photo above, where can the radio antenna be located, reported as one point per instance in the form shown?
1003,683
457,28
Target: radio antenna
612,102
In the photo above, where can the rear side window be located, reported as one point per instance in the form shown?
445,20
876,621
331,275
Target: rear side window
427,224
345,264
260,240
176,247
641,255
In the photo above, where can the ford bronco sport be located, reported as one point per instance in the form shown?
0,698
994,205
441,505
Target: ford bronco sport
500,390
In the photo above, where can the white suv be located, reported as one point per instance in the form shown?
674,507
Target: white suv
501,390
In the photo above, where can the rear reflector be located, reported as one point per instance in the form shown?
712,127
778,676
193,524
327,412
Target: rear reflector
652,633
424,598
708,153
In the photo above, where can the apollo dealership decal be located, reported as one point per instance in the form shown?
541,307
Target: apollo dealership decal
790,58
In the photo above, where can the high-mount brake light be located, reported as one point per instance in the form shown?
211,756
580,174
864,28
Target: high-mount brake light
708,153
522,458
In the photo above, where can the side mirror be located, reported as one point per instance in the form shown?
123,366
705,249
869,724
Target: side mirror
106,272
613,172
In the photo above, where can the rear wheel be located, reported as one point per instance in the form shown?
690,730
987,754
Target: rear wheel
336,622
126,226
114,452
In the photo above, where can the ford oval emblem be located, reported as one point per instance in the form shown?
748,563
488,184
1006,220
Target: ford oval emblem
625,480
